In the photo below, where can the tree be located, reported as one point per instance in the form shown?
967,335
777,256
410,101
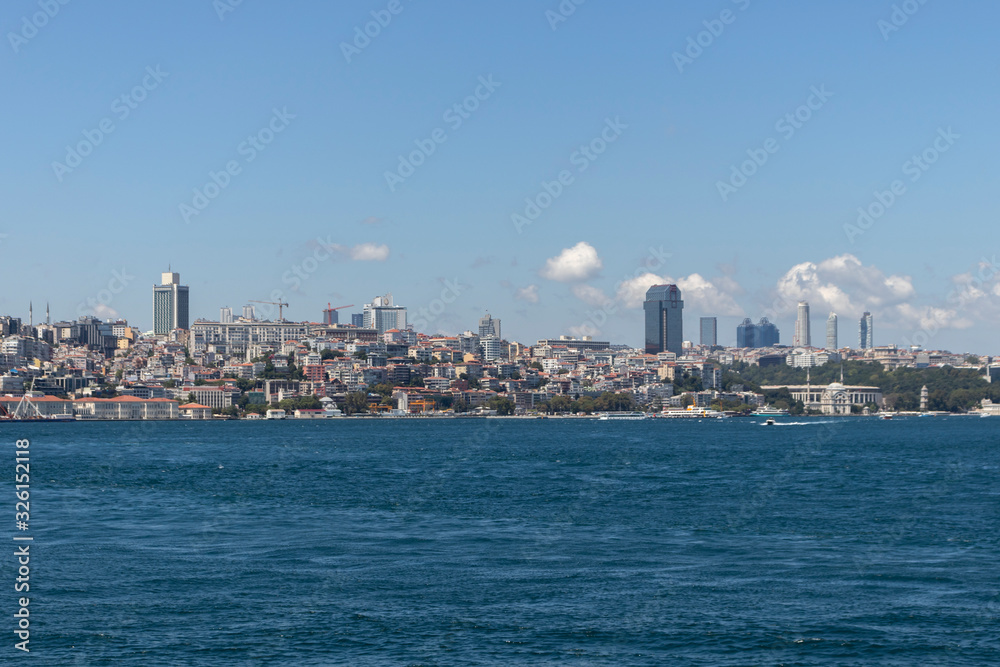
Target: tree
169,384
190,398
119,374
356,402
585,404
503,405
561,404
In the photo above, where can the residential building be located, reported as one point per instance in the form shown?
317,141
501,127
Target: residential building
803,337
226,315
866,332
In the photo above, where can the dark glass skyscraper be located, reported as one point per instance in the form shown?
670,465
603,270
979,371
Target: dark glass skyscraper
762,334
709,331
664,319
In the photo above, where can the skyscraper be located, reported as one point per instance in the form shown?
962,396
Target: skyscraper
170,304
248,314
831,332
709,331
226,315
664,319
358,319
802,335
489,327
382,315
866,332
746,334
762,334
767,334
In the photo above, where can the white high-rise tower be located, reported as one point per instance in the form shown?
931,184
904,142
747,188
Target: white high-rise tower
802,336
831,332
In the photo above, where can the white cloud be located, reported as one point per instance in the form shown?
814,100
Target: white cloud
583,330
363,252
529,294
591,296
696,291
573,264
370,252
843,285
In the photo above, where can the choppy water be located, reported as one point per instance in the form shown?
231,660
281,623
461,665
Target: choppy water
466,542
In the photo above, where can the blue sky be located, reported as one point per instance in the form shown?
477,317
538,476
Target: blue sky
925,267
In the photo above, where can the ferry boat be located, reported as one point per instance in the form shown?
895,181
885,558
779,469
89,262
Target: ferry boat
768,411
693,413
623,416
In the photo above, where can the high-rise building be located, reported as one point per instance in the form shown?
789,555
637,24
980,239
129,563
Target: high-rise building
489,327
746,334
664,320
382,315
358,319
866,332
767,334
709,331
170,304
248,314
802,336
831,332
226,315
762,334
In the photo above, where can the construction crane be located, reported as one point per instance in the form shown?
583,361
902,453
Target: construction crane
328,312
279,304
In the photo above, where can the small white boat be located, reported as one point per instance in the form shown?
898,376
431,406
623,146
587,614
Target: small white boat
769,422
